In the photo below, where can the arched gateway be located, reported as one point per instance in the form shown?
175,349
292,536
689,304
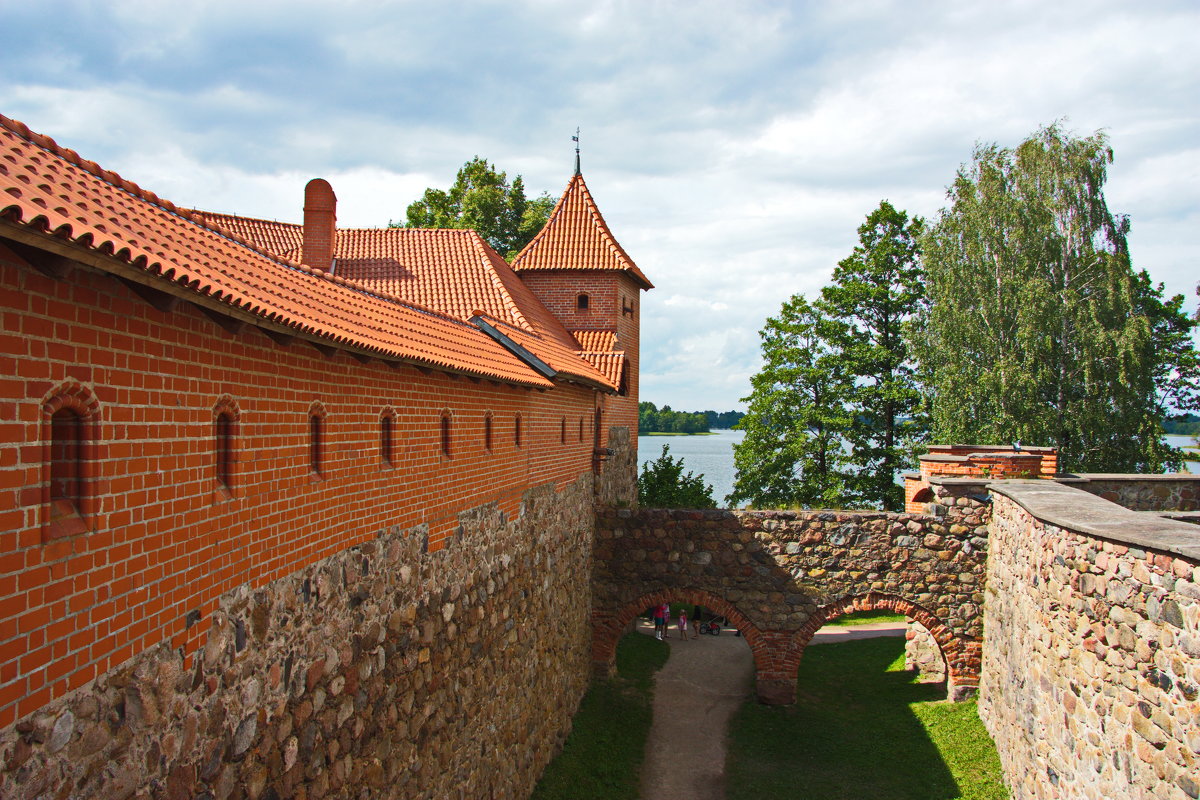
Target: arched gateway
780,575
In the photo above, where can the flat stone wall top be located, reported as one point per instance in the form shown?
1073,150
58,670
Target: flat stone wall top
1131,478
1086,513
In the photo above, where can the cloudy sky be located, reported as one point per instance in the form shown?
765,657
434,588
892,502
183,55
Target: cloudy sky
733,147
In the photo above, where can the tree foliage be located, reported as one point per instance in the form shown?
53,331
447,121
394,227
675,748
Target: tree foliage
874,292
663,484
652,419
792,454
1038,329
835,411
482,199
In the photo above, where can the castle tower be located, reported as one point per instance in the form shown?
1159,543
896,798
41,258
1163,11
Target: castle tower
581,273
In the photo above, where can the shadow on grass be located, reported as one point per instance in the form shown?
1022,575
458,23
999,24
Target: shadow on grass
602,758
858,731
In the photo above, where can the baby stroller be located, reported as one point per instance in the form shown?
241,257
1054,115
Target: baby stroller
711,626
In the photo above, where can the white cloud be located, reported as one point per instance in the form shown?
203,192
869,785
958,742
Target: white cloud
734,149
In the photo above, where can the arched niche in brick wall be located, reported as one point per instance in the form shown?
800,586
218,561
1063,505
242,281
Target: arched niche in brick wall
72,451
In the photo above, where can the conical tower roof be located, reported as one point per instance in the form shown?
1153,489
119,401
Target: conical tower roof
576,237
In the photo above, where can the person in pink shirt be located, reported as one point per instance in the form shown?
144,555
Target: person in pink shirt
682,624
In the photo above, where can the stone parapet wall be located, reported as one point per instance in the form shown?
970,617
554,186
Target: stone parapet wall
1091,666
1177,492
382,671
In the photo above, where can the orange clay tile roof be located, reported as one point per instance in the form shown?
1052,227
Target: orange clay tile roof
610,364
564,359
453,271
596,341
53,191
577,237
277,238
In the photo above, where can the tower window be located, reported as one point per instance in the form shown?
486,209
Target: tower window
517,430
446,434
581,429
582,302
487,432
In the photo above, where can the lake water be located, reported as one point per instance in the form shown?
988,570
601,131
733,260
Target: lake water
712,456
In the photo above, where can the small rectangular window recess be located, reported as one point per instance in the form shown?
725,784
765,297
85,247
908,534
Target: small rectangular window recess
66,464
224,450
487,432
517,430
445,426
385,438
582,301
314,443
562,433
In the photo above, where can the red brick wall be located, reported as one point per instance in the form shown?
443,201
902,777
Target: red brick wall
164,540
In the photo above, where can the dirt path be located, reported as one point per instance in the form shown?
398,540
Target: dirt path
696,693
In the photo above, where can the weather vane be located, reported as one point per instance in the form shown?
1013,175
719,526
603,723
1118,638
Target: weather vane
575,139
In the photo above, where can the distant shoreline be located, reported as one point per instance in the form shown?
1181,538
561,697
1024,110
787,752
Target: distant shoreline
671,433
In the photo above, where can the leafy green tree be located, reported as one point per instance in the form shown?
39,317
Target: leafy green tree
874,292
663,484
482,199
836,410
799,415
1038,329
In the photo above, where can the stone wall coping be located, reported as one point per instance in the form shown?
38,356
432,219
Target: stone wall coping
1083,512
1129,477
988,448
967,480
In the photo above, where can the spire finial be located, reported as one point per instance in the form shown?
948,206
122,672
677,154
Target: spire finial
575,139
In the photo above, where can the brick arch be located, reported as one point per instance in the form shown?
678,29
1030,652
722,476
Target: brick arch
607,628
960,653
80,398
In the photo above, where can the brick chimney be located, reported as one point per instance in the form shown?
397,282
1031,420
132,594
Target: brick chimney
320,224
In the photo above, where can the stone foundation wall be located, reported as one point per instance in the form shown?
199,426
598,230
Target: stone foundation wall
616,483
383,671
1091,665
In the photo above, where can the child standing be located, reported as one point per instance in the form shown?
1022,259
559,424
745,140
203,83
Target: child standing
683,624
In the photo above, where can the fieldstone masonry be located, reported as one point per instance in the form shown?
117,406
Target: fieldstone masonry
383,671
781,575
1091,668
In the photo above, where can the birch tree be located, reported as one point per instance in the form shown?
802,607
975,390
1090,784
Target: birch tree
1038,329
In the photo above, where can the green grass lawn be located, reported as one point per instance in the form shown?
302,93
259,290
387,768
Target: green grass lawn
865,617
861,729
602,757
